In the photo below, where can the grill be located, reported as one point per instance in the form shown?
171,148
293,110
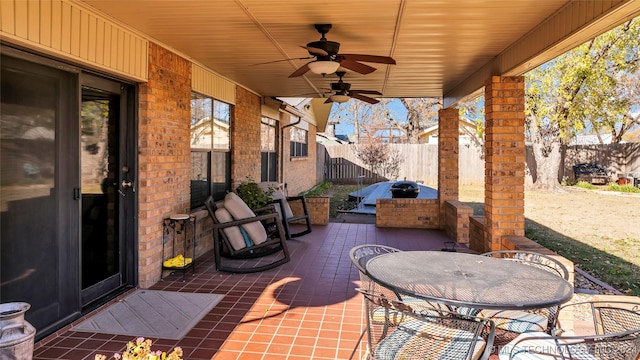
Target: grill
405,189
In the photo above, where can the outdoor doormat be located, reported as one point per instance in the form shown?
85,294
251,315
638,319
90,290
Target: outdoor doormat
152,314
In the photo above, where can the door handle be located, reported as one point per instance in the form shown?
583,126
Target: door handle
124,185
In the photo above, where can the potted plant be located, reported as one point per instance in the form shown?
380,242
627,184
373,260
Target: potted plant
253,195
141,350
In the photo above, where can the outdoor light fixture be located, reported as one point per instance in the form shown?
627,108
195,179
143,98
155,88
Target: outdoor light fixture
323,67
339,98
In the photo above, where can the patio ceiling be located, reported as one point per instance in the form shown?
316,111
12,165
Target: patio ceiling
442,48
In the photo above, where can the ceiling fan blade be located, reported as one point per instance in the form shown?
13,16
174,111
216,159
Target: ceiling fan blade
364,98
369,58
370,92
301,70
275,61
357,67
315,51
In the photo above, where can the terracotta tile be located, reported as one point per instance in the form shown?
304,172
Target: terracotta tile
310,332
304,309
329,342
198,333
233,345
53,353
304,341
256,347
302,351
210,343
278,349
261,338
229,355
291,357
322,352
201,353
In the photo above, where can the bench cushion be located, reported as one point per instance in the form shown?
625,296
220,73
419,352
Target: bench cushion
278,194
428,340
234,233
239,210
515,321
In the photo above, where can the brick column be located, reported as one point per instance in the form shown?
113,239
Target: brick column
245,138
448,146
164,169
504,159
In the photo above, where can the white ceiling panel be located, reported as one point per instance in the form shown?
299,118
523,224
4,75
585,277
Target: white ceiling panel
439,45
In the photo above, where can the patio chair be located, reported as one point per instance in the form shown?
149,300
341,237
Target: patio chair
616,334
359,256
240,235
521,321
406,331
608,316
283,207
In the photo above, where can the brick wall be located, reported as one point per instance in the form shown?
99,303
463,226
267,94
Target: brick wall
477,236
448,148
245,137
299,173
164,154
318,208
504,158
204,232
408,213
456,221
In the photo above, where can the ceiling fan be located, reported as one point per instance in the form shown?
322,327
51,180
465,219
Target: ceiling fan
328,60
343,92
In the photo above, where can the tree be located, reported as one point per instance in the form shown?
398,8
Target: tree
398,120
579,90
379,156
357,113
422,113
629,90
472,110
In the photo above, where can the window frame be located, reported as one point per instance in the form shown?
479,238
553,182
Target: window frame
298,143
218,114
269,157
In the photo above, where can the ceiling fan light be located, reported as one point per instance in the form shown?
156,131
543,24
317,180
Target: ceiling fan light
323,67
340,98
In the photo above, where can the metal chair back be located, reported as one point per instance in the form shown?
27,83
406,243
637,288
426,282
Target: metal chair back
534,259
401,330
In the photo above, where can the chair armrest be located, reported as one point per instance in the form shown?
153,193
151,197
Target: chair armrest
296,198
303,202
272,216
269,208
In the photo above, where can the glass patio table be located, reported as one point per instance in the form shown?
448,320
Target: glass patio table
471,281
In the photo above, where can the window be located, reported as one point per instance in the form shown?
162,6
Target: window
268,152
298,143
210,149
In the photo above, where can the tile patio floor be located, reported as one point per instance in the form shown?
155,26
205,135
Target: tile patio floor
304,309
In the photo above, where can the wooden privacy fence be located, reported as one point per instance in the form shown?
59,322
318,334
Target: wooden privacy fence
420,163
339,163
342,171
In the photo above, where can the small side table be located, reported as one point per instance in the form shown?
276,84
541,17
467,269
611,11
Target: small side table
175,231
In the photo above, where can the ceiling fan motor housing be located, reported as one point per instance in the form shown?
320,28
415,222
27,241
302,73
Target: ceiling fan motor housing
340,86
331,47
